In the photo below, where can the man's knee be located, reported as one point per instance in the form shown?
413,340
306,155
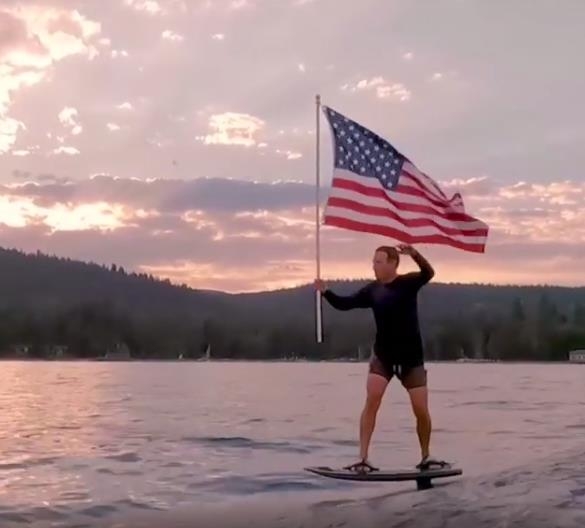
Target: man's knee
419,401
422,413
415,382
376,387
373,401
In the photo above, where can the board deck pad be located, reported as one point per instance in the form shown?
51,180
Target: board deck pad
422,478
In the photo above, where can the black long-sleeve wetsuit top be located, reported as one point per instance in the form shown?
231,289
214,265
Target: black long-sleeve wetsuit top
395,307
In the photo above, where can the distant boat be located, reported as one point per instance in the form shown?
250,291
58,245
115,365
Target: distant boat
476,360
362,355
465,359
120,352
577,356
207,356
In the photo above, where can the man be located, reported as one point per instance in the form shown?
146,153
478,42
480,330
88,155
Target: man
398,348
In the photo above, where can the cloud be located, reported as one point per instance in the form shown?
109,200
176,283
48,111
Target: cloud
152,7
194,231
517,207
83,217
171,196
52,34
119,53
474,186
564,192
172,36
384,89
8,131
551,213
63,149
239,4
34,39
289,154
232,128
69,117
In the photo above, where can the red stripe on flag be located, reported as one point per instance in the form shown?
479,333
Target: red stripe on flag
403,236
340,183
410,172
409,222
430,195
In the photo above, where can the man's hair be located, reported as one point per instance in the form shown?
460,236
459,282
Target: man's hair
391,253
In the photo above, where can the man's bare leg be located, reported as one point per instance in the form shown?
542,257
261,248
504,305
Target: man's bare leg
375,388
420,407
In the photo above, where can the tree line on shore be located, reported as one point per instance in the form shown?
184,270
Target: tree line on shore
54,307
98,329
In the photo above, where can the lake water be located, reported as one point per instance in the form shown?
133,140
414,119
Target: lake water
86,442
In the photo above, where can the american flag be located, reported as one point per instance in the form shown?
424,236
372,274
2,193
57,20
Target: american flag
375,189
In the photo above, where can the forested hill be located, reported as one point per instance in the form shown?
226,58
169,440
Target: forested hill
92,309
42,282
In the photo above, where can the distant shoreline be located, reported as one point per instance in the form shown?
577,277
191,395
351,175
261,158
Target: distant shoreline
278,360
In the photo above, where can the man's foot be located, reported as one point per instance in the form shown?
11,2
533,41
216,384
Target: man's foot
363,466
430,462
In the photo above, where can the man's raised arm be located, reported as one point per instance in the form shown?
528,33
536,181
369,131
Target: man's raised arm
426,272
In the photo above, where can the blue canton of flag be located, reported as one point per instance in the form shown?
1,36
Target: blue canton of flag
360,150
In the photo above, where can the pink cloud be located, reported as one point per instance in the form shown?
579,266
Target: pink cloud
33,39
13,32
197,232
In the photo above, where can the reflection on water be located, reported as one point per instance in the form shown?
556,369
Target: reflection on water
100,439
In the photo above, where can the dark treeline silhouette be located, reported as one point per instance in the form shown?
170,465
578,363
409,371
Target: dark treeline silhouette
53,306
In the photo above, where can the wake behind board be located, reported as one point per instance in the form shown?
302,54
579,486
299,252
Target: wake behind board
423,478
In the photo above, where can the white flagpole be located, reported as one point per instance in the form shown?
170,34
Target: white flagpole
318,306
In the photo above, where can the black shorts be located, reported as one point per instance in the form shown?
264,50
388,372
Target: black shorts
410,377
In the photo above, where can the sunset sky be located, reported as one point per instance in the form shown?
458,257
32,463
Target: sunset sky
177,137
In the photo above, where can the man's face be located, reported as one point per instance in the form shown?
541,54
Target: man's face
383,267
